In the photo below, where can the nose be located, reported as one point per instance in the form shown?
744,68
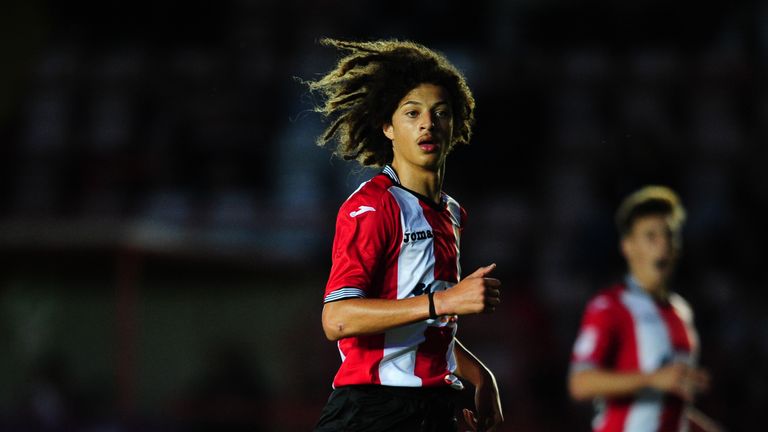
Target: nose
427,121
667,242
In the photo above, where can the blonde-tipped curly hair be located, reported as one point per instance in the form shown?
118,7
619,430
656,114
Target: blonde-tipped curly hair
362,92
650,200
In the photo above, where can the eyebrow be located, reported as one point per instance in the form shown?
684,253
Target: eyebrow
413,102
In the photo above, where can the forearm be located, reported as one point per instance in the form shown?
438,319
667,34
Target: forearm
488,413
470,367
591,383
355,317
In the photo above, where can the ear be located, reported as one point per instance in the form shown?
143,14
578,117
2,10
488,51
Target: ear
625,244
389,131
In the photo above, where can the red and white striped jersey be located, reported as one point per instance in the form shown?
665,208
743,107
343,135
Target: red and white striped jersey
391,243
624,329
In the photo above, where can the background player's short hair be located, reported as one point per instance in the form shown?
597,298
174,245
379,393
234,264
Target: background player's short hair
362,92
650,200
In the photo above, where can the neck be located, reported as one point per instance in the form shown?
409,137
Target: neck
421,180
656,288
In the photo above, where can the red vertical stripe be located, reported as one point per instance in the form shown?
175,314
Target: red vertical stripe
673,406
615,416
678,334
361,365
446,253
431,363
626,360
364,353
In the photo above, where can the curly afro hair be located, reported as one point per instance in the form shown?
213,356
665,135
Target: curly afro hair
362,92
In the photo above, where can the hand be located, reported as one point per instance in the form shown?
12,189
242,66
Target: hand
474,294
488,407
681,380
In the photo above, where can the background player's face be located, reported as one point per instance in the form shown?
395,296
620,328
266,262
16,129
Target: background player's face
650,250
421,128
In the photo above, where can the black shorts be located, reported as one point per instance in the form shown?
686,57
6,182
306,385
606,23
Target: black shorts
375,408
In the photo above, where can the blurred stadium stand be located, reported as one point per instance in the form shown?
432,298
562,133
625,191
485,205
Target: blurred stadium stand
166,219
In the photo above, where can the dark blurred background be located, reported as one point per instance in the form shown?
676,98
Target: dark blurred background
166,218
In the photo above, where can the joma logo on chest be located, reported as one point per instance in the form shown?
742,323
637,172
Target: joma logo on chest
418,235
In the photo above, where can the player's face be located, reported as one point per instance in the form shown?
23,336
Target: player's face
421,128
650,250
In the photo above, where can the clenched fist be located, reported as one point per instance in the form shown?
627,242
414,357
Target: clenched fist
474,294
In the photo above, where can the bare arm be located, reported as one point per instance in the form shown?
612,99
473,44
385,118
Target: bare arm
703,421
591,383
353,317
676,378
470,367
487,402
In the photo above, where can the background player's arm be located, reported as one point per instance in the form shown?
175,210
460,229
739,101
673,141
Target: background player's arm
487,403
702,421
353,317
676,378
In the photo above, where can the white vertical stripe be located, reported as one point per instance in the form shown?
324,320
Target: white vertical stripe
684,311
455,211
450,357
654,349
397,366
416,264
644,414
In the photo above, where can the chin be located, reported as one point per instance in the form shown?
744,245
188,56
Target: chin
655,278
432,163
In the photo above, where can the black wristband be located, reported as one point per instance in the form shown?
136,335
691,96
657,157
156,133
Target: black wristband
432,312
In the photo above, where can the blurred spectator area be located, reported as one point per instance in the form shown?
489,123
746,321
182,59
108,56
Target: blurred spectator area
166,217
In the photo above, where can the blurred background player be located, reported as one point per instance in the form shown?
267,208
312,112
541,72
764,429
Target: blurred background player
637,348
394,291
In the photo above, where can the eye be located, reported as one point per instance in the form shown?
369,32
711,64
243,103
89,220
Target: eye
442,113
412,114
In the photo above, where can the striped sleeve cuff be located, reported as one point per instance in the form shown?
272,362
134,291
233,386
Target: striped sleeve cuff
344,293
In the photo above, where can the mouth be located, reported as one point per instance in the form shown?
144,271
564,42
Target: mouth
663,264
428,144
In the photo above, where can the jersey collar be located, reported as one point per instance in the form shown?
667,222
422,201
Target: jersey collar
390,172
633,286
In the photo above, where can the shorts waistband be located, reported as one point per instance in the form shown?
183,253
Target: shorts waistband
406,392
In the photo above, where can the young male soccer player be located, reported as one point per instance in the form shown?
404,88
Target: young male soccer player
395,289
636,351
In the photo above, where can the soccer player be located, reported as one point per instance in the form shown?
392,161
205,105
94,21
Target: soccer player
636,351
394,292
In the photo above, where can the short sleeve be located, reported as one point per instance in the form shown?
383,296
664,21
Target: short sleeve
596,338
364,227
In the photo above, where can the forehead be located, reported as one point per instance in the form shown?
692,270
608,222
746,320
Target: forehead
426,93
651,222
